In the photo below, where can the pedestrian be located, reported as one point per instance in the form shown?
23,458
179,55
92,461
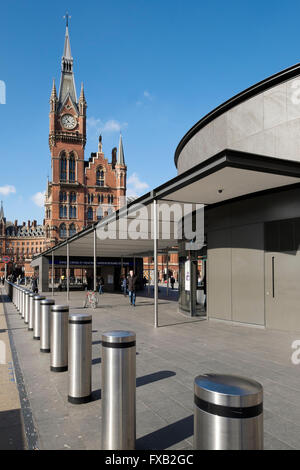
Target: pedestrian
101,284
34,285
132,280
172,281
124,286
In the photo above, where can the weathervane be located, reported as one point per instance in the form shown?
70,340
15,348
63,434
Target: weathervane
67,16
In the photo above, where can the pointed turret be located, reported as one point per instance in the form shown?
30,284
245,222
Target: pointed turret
82,102
53,98
121,159
1,211
67,83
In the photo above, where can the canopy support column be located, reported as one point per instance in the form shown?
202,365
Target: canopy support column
95,260
155,243
68,273
167,273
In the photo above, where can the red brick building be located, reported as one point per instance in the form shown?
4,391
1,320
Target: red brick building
80,192
19,243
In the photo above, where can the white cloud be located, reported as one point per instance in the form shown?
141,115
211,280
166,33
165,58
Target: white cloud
135,186
7,189
109,126
39,198
147,95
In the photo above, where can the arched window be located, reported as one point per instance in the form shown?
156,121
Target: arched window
100,177
62,211
47,231
72,196
72,212
100,198
62,196
90,198
63,231
90,213
63,167
72,164
72,230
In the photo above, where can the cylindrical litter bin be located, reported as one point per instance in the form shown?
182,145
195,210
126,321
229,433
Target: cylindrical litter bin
228,413
45,324
80,358
59,338
37,316
31,311
26,316
118,390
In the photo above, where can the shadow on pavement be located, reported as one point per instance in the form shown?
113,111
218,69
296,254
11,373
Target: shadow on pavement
12,430
167,436
147,379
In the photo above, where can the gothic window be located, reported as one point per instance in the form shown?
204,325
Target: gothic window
47,231
110,199
72,168
72,197
62,211
90,213
62,196
63,167
100,177
72,212
62,231
90,198
72,230
100,198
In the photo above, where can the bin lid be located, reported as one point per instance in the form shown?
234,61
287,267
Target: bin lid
47,301
228,390
80,317
60,308
118,336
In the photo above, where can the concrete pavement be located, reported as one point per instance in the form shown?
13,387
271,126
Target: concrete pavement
168,359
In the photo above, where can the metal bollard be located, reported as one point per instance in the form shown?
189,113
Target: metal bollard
80,358
228,413
37,316
45,324
31,311
23,303
59,338
26,315
118,390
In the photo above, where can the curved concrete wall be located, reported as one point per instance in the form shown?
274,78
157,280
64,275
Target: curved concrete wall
267,124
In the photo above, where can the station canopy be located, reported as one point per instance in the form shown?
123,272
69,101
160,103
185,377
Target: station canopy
226,176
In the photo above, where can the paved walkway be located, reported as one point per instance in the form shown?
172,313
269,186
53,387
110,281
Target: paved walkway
168,359
11,421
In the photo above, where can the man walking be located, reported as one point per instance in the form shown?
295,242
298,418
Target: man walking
132,279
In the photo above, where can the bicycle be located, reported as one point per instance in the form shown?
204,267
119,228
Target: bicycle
91,300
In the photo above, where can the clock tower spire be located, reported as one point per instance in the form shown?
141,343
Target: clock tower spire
67,137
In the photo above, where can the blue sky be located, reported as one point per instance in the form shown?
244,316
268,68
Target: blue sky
151,68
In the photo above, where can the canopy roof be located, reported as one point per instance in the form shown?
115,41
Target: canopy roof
226,176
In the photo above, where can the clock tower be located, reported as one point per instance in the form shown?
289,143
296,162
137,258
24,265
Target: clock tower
65,195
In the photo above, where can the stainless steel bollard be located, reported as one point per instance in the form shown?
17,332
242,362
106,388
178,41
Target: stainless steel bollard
45,324
59,338
23,303
228,413
31,311
118,390
26,315
37,316
80,358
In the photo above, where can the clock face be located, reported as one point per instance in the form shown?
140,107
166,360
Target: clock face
68,121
